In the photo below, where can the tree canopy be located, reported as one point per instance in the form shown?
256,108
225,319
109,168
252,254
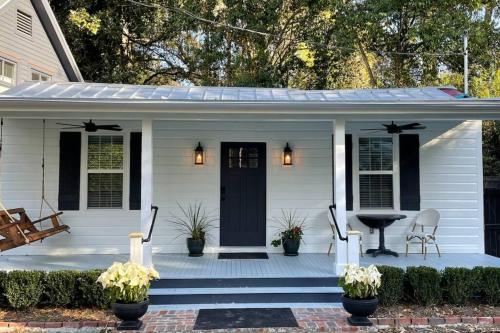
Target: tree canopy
312,44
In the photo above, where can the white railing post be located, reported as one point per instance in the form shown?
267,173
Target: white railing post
147,187
136,248
340,192
353,247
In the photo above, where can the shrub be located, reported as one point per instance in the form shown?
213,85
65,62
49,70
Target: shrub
424,285
457,285
24,289
3,277
60,288
391,291
90,293
491,285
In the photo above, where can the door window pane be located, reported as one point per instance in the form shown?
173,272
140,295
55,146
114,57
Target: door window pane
242,157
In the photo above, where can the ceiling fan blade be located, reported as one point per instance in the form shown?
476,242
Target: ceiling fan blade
69,124
109,127
419,127
409,126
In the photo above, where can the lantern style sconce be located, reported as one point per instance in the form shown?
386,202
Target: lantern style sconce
287,155
199,156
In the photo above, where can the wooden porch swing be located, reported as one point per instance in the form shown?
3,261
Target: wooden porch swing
15,225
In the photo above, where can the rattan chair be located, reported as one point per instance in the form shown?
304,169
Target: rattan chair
428,218
332,226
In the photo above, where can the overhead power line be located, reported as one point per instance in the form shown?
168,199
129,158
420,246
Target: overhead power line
268,34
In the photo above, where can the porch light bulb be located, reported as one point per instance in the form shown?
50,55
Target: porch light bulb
287,155
198,155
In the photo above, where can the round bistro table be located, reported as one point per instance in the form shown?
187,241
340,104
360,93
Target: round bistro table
380,222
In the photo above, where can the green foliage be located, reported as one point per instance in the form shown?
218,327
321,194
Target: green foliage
89,292
491,285
391,291
457,285
491,148
23,289
60,288
3,299
424,285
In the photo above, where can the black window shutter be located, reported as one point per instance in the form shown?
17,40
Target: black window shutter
409,165
348,171
135,171
70,145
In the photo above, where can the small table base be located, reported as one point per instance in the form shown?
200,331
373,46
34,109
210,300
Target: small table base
376,252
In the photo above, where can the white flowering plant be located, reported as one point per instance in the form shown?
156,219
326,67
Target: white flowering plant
127,282
360,282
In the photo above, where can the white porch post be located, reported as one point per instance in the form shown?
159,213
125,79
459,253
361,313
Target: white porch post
147,186
340,192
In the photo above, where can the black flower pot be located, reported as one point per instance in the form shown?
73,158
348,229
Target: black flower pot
130,313
291,247
360,309
195,247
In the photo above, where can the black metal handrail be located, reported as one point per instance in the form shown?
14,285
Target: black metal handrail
155,208
331,207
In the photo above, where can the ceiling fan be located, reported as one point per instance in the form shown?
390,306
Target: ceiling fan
393,128
90,126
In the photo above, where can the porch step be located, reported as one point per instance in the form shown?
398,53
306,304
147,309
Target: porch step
244,291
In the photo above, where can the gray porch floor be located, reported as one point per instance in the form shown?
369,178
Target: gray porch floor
208,266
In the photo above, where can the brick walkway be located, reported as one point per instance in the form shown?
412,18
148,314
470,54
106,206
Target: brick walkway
309,320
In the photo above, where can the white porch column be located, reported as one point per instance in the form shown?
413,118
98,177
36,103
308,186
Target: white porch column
340,192
147,186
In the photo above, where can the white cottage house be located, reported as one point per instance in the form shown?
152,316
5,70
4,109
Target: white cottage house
338,156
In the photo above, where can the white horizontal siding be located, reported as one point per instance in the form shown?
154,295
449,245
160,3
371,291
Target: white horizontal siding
35,52
450,182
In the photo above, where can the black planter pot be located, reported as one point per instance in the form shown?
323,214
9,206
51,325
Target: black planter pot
291,247
130,314
195,247
360,309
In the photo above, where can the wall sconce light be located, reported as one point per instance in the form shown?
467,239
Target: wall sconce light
287,155
199,156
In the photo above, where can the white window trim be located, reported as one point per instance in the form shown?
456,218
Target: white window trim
36,71
84,171
395,172
14,79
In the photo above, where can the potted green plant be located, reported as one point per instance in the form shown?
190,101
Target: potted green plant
291,231
360,286
127,286
194,223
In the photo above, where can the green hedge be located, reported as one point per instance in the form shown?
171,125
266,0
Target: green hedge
427,286
27,289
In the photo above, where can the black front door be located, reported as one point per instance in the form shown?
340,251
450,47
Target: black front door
243,194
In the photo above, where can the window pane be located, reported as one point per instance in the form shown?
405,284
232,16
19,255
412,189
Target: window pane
105,190
105,152
9,70
45,78
243,158
375,191
375,154
35,77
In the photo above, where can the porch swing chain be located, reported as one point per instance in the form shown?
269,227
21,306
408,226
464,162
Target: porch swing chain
43,199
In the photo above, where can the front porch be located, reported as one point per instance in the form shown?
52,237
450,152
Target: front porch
180,266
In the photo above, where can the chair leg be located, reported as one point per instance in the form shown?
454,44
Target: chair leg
330,248
406,255
425,250
422,247
361,249
437,248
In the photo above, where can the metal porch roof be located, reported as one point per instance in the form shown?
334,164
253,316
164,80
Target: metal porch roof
122,93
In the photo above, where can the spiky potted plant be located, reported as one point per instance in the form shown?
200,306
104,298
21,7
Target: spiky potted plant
195,223
291,231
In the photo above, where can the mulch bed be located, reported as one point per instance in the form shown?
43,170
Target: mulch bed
56,315
400,311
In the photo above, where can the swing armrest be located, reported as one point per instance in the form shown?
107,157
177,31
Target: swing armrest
10,225
47,217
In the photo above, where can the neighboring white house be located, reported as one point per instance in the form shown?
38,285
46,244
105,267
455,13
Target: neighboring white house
243,132
32,46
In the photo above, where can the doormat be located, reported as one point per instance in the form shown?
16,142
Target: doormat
214,319
243,255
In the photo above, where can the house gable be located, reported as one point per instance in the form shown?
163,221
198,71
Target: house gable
28,40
